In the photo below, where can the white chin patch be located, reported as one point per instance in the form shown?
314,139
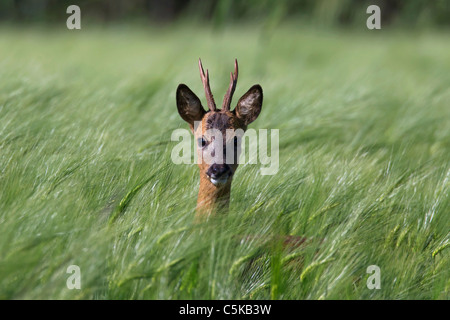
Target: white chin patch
218,182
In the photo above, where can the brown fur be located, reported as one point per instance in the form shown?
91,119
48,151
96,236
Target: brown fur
212,197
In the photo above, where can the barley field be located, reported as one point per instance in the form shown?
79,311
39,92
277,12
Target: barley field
86,176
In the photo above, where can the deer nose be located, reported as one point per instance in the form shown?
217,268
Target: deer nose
217,171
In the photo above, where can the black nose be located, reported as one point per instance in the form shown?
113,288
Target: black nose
216,171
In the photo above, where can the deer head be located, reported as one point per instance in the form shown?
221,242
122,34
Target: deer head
214,136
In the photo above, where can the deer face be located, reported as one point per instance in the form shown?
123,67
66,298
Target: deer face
216,132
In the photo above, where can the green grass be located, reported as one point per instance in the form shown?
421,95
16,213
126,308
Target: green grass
86,176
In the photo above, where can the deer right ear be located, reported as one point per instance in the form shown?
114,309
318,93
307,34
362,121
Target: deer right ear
189,105
250,104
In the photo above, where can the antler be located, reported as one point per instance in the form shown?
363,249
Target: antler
231,88
205,80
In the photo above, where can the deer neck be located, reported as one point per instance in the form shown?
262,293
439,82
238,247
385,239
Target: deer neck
212,198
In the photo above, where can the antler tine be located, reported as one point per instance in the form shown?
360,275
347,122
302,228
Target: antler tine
205,81
231,88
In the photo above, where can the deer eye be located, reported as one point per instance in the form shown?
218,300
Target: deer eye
201,142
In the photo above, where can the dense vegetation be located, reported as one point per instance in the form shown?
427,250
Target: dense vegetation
86,176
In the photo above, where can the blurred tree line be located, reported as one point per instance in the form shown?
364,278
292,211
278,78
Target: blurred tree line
220,12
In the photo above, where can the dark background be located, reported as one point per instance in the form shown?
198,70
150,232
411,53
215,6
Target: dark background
407,13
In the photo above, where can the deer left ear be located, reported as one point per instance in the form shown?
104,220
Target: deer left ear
249,105
189,105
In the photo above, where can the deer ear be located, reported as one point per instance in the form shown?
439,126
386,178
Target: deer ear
189,105
249,105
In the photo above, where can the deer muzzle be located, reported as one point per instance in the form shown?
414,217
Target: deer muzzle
219,174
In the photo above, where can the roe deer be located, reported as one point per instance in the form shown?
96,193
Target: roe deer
216,170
